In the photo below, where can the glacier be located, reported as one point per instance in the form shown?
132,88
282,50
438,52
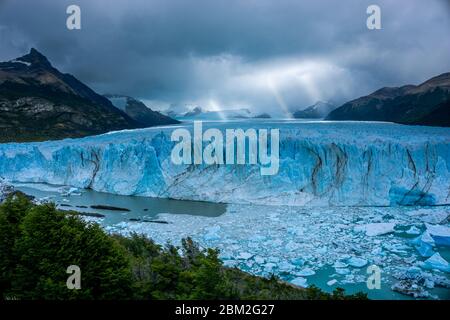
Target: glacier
321,163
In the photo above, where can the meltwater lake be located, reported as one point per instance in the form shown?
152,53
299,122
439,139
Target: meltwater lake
307,246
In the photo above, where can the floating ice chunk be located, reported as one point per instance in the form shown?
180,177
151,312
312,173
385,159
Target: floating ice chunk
396,247
410,260
70,192
413,230
291,246
429,283
245,256
273,259
332,282
322,250
357,262
437,230
342,271
413,272
410,288
89,219
376,229
268,267
378,251
305,272
226,255
259,260
211,237
286,267
299,231
298,262
212,233
424,244
349,278
436,262
300,281
230,263
440,234
433,216
414,282
426,237
441,281
340,264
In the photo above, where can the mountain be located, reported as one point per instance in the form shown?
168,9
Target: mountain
198,113
262,116
318,110
139,112
37,102
424,104
193,113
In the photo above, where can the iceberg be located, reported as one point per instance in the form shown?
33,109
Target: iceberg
244,256
440,234
376,229
340,264
321,164
332,282
436,262
413,230
424,244
432,217
415,282
410,288
342,271
306,272
357,262
300,281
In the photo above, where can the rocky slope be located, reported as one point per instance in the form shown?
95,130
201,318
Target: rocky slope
139,112
318,110
37,102
425,104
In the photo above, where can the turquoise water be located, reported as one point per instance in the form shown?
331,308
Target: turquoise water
185,218
139,207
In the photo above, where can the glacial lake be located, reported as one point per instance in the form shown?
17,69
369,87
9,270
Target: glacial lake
260,239
139,207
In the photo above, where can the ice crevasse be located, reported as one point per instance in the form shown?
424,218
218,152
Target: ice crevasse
338,164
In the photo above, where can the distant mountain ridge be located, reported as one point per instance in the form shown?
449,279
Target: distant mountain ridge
425,104
138,111
197,113
318,110
37,102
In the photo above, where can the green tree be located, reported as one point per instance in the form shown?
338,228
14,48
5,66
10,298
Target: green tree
48,241
12,212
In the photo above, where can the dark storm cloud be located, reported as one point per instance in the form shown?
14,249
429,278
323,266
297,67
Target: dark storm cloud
259,53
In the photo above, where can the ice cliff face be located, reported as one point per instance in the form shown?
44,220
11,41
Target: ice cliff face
320,164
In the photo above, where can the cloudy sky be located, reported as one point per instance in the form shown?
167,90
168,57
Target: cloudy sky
268,55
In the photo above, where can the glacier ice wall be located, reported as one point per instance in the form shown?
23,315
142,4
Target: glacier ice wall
320,164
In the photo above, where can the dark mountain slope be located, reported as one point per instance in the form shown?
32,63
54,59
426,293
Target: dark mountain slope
318,110
424,104
37,102
139,112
